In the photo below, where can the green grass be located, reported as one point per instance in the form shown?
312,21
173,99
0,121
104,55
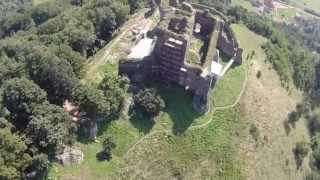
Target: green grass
99,73
313,4
177,115
229,87
193,57
207,153
37,2
123,133
178,153
286,14
244,3
249,41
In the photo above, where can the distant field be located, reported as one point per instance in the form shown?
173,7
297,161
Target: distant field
37,2
313,4
244,3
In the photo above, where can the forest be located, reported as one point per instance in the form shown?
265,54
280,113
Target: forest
42,52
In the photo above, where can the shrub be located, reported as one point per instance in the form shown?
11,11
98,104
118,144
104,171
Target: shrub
106,153
315,145
300,151
149,102
293,117
259,74
254,131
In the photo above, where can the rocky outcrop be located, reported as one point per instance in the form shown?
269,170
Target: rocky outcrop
70,156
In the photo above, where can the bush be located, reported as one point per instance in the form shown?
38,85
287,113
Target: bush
313,176
293,117
314,124
254,131
149,102
300,151
315,145
106,153
259,74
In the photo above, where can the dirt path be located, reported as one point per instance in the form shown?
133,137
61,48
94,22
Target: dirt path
101,57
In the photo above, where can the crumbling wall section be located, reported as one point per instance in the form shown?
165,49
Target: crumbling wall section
206,22
228,43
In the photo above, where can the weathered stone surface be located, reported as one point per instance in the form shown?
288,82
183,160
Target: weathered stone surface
126,107
70,156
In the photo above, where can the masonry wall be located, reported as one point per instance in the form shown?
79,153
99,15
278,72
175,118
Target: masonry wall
228,43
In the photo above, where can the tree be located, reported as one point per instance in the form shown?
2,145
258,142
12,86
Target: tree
80,33
104,20
149,102
91,101
135,4
51,73
13,157
9,69
15,23
114,88
315,145
39,166
106,153
50,128
20,96
65,52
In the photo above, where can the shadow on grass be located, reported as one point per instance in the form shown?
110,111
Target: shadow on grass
101,125
141,122
179,107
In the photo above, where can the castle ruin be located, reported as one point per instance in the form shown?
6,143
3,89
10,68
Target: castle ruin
184,49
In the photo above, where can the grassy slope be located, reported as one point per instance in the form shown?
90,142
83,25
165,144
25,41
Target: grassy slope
280,15
244,3
206,153
37,2
266,104
229,87
313,4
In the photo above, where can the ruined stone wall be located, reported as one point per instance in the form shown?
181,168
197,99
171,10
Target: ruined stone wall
137,71
212,10
228,43
199,86
206,22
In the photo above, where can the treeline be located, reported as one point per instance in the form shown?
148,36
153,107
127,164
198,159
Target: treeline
42,52
288,56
